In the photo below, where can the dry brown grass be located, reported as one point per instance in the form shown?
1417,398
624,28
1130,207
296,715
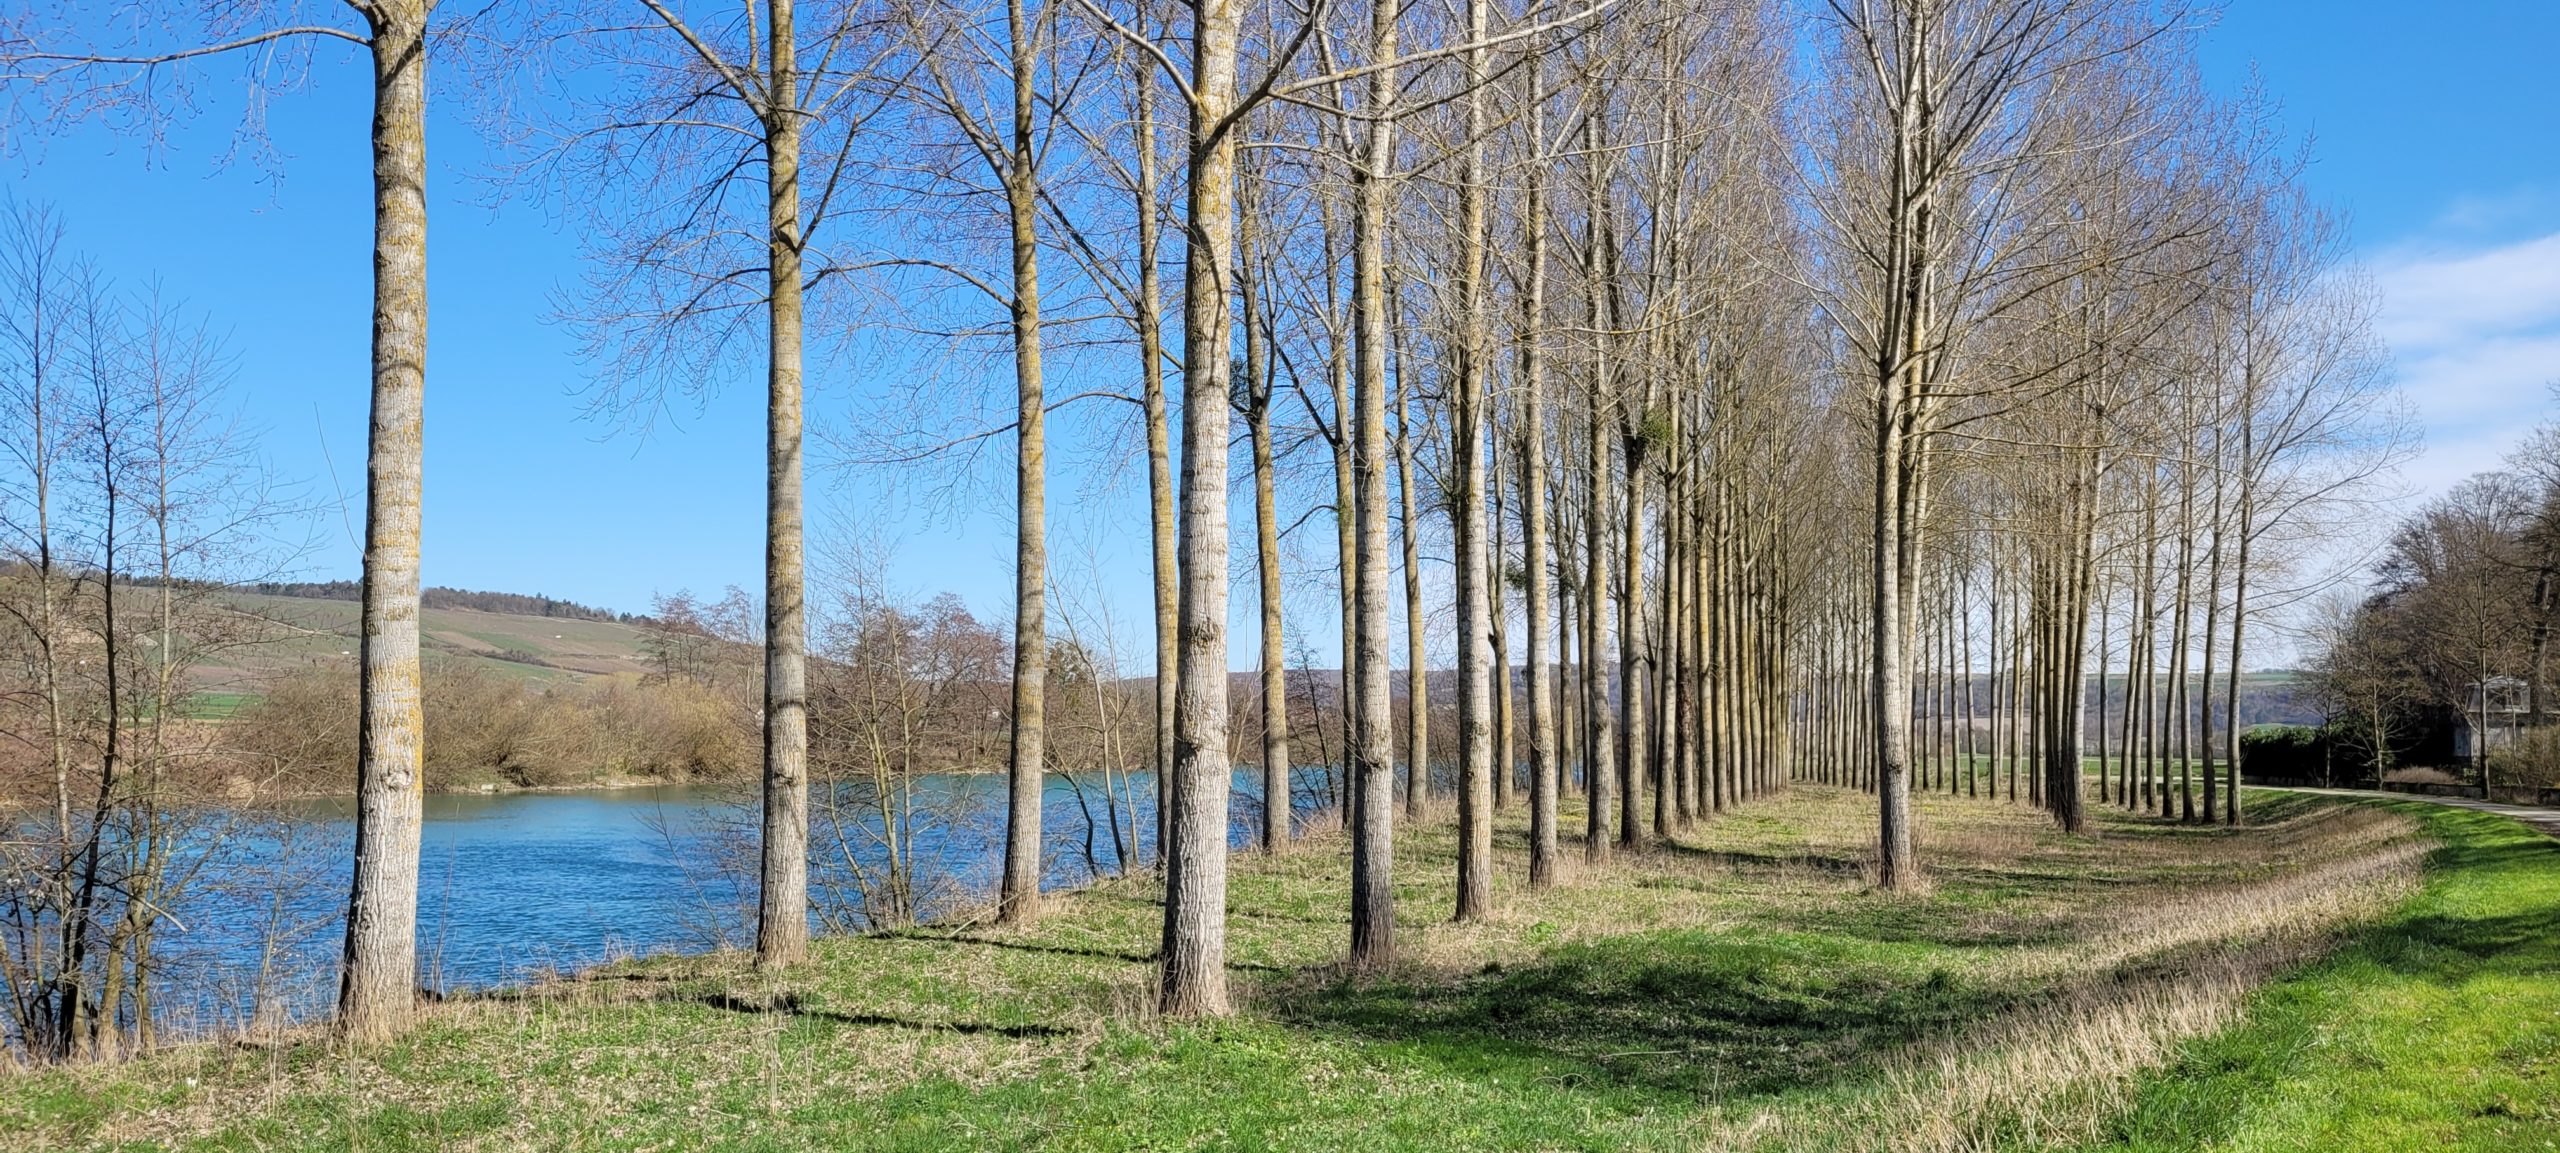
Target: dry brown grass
2141,981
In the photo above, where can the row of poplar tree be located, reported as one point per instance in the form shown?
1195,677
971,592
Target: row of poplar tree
1755,354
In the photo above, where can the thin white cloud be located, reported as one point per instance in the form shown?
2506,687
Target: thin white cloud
2491,377
2439,298
2476,338
2451,458
2496,215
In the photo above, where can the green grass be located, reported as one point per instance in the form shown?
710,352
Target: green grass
204,706
2439,1029
1739,987
218,706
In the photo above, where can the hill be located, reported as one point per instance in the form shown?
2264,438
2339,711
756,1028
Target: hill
309,623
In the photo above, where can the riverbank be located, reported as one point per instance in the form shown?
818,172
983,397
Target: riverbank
1740,987
746,784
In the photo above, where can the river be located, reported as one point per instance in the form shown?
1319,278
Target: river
516,885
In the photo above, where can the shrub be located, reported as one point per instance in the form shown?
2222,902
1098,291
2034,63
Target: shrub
2421,777
2284,752
2534,759
299,733
485,726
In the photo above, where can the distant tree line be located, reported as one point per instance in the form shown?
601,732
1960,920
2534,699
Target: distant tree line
440,597
2446,659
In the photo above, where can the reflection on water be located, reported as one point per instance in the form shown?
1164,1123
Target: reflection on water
515,884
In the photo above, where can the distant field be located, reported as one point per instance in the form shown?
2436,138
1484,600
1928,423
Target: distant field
310,629
216,706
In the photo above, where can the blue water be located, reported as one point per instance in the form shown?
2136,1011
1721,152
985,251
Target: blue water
514,885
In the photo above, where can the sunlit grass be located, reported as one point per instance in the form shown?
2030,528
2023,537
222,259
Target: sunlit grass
2439,1029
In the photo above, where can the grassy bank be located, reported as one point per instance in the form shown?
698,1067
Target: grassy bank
2439,1029
1742,987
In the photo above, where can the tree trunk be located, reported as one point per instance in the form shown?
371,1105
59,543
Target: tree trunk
1276,796
1475,589
2246,532
1897,372
1018,903
1417,671
1194,982
1543,766
1723,787
2175,719
1599,741
2209,633
1670,796
1346,524
1965,754
1506,761
377,989
782,912
1149,314
1373,757
1896,866
1635,751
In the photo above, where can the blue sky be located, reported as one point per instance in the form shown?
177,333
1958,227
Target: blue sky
2433,126
2434,129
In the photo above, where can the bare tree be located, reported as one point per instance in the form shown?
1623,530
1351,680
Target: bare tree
685,275
1934,195
129,494
380,960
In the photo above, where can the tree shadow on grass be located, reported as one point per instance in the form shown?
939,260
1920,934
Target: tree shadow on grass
2454,949
687,989
2516,853
1835,864
794,1005
2517,934
1900,922
1897,920
1131,957
1237,912
1681,1012
2442,944
1123,956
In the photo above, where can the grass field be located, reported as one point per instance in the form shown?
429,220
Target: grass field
2334,976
